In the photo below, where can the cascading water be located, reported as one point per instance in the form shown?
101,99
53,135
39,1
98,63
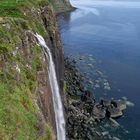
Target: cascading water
58,108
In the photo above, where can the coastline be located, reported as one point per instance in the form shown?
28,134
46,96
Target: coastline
85,115
80,107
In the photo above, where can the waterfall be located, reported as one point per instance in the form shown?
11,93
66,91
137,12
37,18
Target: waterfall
58,108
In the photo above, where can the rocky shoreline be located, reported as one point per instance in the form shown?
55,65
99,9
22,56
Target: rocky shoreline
83,113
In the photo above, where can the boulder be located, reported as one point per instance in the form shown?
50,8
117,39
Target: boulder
114,112
114,122
120,104
105,103
129,104
115,138
99,112
87,95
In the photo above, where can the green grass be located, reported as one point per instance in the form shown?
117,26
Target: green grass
10,8
17,117
13,8
17,109
48,133
65,87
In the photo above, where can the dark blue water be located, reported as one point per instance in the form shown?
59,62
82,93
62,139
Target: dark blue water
104,37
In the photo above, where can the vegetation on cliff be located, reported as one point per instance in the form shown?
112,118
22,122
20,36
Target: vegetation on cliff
21,66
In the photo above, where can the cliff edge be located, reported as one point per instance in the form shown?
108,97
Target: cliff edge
26,108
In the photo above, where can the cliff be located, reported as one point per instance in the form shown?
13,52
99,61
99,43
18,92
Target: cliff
61,5
26,108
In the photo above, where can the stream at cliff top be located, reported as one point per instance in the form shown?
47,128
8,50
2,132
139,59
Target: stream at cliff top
104,39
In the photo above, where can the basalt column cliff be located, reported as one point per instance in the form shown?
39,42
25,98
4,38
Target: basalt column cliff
26,104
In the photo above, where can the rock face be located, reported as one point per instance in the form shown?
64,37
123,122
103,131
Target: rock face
99,112
114,112
114,108
61,5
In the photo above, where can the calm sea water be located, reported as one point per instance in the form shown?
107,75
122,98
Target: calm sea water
104,38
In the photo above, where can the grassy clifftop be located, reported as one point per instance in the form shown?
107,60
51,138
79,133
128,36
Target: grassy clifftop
13,7
24,86
19,62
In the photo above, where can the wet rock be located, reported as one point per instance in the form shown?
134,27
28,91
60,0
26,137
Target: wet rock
90,65
106,84
114,108
82,114
97,86
97,81
114,112
91,59
115,123
90,82
90,55
124,98
115,138
99,112
130,104
99,72
105,103
87,94
81,57
105,133
98,133
120,104
107,88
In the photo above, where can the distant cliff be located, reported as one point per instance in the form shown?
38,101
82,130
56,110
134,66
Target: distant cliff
61,5
26,108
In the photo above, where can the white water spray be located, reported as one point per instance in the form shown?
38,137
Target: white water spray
58,108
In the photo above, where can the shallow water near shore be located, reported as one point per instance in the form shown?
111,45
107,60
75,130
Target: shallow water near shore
104,39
